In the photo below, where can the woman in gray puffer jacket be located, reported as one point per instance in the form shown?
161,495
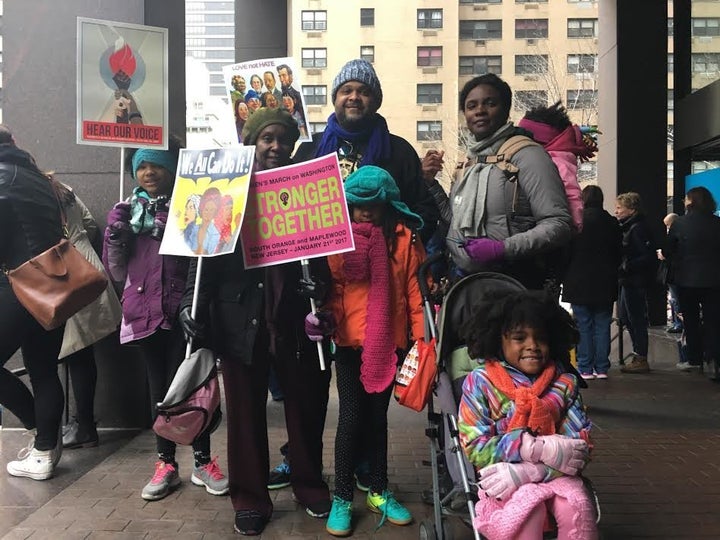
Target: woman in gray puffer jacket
495,224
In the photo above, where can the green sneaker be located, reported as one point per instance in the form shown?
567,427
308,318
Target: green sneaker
387,505
339,522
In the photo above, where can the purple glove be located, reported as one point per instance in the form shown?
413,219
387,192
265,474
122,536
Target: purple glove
119,214
564,454
502,479
318,325
484,250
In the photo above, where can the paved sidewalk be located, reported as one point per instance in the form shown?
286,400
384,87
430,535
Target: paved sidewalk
656,468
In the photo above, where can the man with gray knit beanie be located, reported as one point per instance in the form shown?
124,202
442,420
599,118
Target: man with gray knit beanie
360,136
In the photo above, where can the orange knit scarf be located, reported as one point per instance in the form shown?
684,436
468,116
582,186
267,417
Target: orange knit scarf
530,411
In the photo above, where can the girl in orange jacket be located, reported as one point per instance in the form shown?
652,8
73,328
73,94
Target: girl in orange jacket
376,304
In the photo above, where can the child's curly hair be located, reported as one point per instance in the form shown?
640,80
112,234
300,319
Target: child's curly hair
502,312
555,115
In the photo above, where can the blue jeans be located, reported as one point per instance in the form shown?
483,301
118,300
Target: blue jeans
632,310
593,350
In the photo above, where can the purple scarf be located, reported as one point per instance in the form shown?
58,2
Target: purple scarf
370,262
376,134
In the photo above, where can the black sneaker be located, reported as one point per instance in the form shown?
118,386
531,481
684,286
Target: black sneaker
250,522
319,509
280,476
77,436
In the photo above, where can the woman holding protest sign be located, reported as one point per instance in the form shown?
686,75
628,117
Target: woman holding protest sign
257,317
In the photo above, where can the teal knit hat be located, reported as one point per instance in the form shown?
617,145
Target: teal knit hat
370,184
164,158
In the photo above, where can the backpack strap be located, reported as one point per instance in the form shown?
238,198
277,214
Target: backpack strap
507,150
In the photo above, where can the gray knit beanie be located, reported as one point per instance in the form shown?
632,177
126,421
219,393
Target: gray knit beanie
361,71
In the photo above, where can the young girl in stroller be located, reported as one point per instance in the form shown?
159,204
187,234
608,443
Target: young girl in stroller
522,422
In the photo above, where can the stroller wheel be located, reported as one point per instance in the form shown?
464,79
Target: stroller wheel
427,530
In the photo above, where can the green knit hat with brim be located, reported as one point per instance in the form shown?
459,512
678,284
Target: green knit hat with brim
265,117
372,185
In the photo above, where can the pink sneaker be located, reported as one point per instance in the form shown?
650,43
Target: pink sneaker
601,376
210,476
165,479
587,376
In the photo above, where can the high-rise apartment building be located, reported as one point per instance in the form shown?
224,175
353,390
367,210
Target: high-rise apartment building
424,51
210,38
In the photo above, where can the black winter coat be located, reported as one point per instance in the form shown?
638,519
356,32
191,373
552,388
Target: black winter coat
592,275
693,249
29,210
639,260
232,300
405,167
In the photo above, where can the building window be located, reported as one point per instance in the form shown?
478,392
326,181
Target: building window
530,64
314,21
581,99
671,63
315,95
429,18
367,52
670,100
582,28
476,65
317,127
529,99
491,29
582,63
367,16
429,93
705,62
531,28
481,1
429,56
671,27
429,131
706,27
531,1
314,58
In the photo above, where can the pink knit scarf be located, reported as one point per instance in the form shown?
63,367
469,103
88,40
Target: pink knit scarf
370,262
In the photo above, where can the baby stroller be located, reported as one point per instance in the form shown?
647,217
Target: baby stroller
453,475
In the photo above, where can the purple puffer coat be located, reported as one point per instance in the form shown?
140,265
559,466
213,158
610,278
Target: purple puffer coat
153,283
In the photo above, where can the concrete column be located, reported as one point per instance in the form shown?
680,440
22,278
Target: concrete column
260,29
634,74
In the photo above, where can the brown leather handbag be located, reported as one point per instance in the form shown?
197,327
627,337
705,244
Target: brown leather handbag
57,283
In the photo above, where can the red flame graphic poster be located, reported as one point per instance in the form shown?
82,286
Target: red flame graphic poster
122,90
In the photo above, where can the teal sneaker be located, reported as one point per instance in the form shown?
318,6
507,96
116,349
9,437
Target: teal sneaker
387,505
339,522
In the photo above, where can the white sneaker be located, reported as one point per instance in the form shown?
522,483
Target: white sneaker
38,465
56,452
686,366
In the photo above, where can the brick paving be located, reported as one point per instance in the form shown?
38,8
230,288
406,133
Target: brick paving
656,470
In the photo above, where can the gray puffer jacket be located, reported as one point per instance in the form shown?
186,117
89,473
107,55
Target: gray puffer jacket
541,221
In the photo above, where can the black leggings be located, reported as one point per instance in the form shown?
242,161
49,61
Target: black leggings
361,415
83,378
43,408
163,352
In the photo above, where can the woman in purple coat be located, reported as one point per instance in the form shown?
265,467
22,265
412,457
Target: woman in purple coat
153,286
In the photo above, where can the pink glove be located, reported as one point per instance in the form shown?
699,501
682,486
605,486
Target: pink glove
502,479
318,325
119,214
484,250
564,454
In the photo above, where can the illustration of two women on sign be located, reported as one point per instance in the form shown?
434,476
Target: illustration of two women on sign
208,222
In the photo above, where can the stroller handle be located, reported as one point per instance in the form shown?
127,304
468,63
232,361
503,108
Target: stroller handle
422,272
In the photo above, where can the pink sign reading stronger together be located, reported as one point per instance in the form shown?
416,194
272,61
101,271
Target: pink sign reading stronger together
296,212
